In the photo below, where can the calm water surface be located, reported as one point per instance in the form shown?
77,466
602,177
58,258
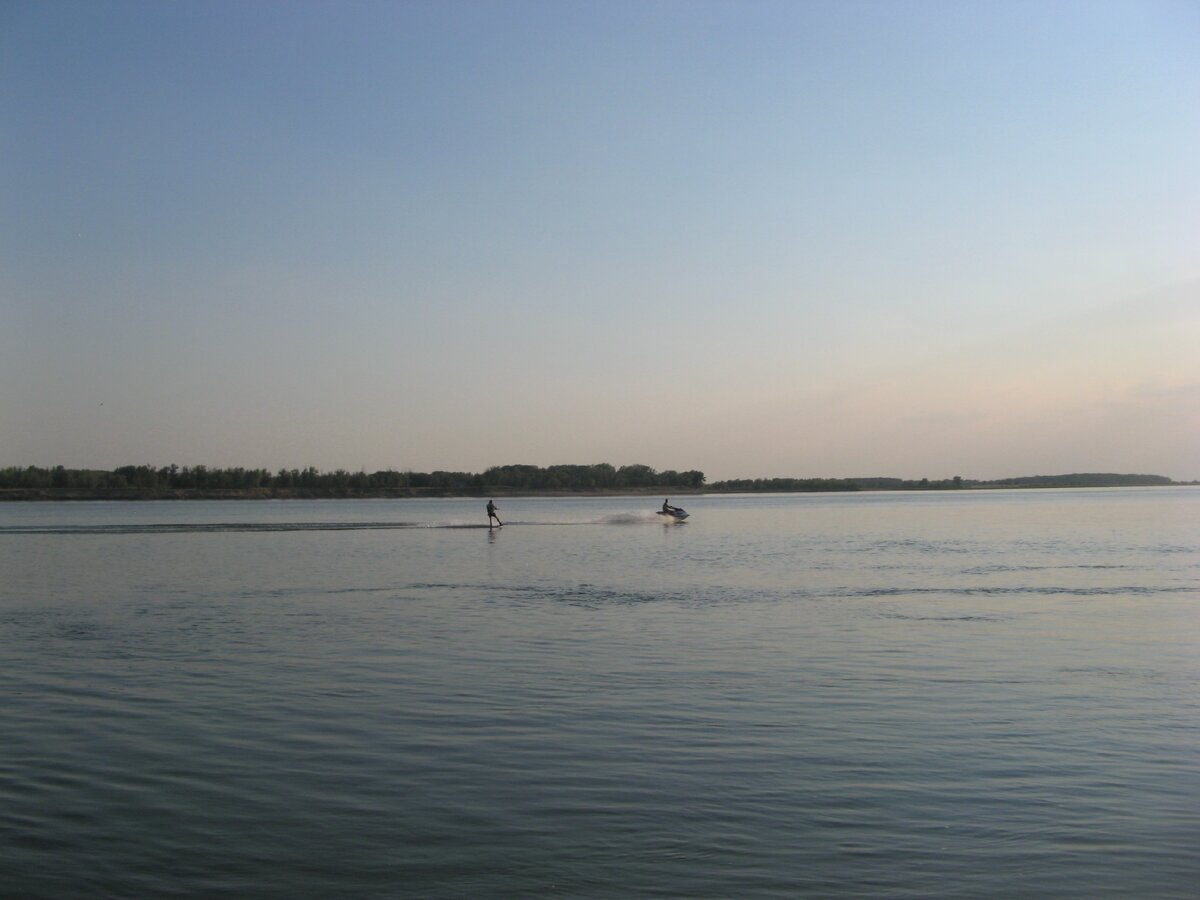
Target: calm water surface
964,694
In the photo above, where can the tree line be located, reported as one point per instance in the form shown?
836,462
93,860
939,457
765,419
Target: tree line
32,482
1074,480
175,480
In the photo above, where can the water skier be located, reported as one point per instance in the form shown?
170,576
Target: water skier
491,511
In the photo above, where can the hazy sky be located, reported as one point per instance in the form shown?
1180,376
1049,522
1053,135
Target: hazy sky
753,238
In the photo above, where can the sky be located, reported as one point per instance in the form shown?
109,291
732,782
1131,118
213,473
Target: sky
759,239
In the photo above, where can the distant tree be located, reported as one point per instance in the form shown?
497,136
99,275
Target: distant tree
636,476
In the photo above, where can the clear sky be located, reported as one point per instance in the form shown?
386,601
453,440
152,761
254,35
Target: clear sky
917,239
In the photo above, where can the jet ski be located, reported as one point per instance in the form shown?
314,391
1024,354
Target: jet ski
674,512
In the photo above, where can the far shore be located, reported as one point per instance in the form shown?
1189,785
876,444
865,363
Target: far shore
61,494
51,495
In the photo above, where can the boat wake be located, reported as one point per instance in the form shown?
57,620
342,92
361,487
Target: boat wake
631,518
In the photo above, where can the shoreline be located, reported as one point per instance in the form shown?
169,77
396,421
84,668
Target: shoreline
53,495
59,495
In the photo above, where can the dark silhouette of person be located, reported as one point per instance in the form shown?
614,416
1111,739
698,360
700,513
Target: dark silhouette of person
491,511
667,507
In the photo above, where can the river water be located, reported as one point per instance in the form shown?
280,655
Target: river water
956,694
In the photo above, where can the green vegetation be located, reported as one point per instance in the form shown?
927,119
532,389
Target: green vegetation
201,482
1096,479
148,482
780,485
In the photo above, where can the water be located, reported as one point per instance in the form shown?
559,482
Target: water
962,694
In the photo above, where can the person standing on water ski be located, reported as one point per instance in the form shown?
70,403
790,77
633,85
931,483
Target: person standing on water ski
491,510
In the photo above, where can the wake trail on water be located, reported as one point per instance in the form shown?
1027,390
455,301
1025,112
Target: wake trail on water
637,518
283,527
